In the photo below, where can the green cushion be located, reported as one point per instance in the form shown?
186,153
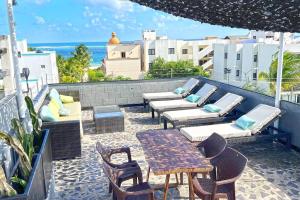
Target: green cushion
46,115
211,108
244,122
179,90
193,98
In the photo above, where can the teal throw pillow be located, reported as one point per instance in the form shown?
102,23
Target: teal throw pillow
244,122
179,90
64,112
46,115
193,98
211,108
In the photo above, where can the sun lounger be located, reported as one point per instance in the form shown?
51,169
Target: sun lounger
200,116
161,106
188,86
263,115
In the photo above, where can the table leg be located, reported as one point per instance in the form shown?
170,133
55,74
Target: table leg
181,178
191,187
166,186
148,174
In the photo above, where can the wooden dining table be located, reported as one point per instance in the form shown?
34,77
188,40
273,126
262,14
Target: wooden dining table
169,152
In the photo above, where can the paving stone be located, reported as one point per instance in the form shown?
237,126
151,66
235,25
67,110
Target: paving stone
272,172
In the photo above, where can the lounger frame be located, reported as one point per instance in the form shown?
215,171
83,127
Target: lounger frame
171,109
266,133
146,101
192,122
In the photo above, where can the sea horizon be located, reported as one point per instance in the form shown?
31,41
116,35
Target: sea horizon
65,49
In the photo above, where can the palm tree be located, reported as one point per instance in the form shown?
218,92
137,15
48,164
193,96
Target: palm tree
290,74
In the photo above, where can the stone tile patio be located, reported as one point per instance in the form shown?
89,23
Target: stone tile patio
273,171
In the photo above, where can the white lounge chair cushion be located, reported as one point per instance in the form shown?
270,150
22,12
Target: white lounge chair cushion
188,86
262,114
164,105
161,95
205,92
227,102
227,130
183,115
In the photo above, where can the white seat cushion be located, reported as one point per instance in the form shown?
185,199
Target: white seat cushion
227,130
183,115
161,95
172,104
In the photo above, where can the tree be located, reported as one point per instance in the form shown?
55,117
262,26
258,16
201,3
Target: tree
290,74
72,70
182,68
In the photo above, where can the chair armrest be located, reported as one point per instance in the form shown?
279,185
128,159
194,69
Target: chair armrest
224,182
121,150
134,170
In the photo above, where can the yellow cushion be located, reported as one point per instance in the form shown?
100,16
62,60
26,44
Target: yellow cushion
54,108
74,108
66,99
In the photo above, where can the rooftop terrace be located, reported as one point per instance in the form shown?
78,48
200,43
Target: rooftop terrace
272,171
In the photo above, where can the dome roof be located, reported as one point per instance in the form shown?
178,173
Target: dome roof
114,39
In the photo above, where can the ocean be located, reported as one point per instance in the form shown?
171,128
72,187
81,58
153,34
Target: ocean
97,50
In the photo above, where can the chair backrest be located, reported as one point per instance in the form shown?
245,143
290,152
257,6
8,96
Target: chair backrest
205,92
263,115
104,152
230,164
228,102
213,146
190,85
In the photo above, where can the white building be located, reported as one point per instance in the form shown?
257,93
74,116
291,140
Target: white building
241,61
200,52
42,66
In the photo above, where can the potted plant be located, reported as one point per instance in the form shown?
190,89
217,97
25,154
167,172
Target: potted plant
31,174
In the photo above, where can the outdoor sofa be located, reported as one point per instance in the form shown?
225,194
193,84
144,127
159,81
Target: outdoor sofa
67,131
226,104
263,115
188,87
162,106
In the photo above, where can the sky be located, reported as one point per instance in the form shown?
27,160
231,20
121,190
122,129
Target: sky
48,21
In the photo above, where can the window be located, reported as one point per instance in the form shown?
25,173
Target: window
201,62
254,37
184,51
150,65
226,55
238,56
255,58
151,51
298,98
43,66
237,73
255,76
171,51
269,36
123,55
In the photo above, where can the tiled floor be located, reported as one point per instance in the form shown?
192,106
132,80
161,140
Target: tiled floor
273,172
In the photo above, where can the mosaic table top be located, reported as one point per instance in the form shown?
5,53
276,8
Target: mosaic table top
169,152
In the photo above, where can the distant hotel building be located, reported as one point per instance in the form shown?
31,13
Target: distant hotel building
200,52
123,59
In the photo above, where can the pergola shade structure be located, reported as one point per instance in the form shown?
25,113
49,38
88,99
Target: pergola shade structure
267,15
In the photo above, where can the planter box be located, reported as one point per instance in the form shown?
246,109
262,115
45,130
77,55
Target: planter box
40,176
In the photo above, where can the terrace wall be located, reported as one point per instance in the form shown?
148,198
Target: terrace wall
118,92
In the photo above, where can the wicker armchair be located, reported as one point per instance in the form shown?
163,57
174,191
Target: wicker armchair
127,170
228,167
141,191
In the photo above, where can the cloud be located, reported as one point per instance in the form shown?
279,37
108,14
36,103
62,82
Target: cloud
87,12
124,5
53,27
69,24
40,20
120,26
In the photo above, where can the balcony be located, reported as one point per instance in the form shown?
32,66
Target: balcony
272,171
